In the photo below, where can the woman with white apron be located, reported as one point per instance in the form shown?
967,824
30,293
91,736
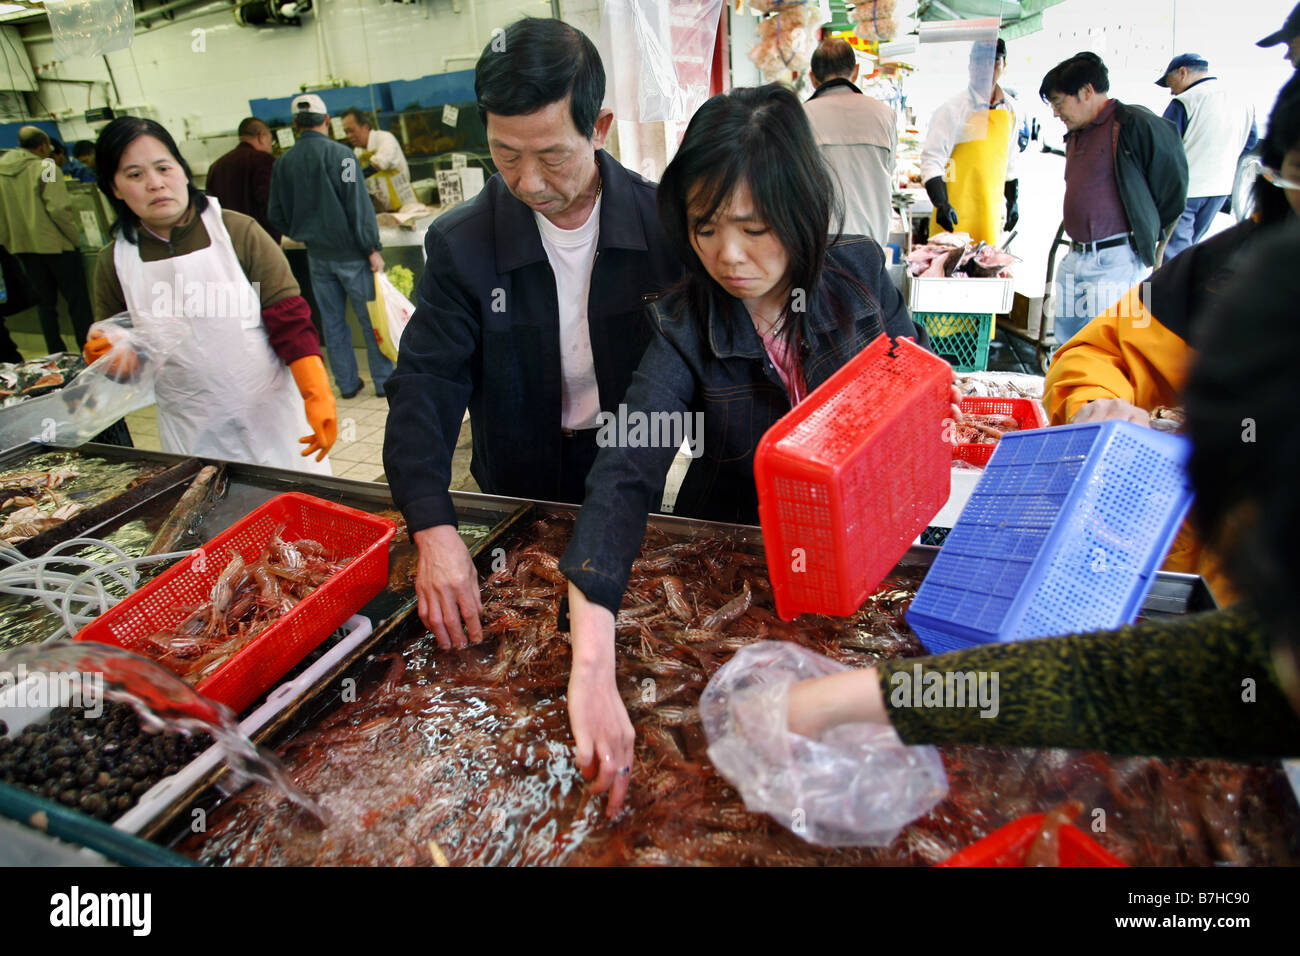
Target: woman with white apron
248,381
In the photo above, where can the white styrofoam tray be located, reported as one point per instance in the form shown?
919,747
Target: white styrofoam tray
979,296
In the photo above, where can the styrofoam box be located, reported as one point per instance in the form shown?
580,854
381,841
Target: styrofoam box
982,296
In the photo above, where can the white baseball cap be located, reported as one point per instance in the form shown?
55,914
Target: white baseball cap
309,103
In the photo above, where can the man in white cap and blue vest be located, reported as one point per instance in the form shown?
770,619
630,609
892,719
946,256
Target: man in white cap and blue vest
1217,126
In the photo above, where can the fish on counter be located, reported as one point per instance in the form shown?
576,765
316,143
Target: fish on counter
953,255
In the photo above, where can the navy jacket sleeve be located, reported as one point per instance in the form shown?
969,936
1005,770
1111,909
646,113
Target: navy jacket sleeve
626,483
1176,113
430,390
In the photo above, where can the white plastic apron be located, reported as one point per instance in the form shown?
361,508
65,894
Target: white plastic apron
225,394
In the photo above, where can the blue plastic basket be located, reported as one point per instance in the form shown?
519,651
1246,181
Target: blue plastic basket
1062,535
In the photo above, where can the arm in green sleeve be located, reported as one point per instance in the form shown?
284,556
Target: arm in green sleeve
1200,686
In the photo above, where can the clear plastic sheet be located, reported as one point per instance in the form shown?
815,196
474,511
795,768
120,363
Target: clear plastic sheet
116,384
659,55
859,785
90,27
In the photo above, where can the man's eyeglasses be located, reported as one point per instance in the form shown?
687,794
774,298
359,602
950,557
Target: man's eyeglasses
1277,179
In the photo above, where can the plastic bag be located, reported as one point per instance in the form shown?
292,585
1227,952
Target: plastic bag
857,786
114,385
389,312
659,56
90,27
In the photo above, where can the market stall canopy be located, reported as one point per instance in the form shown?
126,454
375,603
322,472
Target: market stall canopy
1019,17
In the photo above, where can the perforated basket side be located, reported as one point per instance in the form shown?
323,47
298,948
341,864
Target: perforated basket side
1027,413
1114,534
959,338
974,587
851,476
239,681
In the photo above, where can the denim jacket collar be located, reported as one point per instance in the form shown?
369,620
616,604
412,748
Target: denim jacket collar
519,243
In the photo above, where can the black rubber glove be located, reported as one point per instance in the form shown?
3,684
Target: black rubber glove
943,213
1012,191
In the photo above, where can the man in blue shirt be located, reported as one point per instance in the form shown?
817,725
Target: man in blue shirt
318,197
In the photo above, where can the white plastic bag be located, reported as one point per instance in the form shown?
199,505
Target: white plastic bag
658,56
390,311
857,786
112,386
90,27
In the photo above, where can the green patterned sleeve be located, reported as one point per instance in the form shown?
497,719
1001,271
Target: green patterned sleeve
1198,686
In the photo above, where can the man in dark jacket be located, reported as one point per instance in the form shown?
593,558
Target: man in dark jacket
1125,187
241,179
318,196
529,312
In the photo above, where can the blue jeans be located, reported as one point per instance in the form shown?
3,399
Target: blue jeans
335,283
1193,224
1089,283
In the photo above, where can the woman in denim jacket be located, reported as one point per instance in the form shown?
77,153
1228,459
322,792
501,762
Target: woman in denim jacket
770,308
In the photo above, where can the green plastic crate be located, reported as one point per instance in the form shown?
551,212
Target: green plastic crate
962,338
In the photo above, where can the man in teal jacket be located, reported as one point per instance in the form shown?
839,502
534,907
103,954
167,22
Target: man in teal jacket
318,197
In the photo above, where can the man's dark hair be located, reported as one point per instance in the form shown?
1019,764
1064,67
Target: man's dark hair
35,137
113,141
1070,76
57,147
361,116
302,121
832,58
1282,137
82,147
252,127
536,62
1245,501
758,137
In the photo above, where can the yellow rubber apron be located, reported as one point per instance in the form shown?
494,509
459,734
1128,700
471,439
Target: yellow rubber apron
979,170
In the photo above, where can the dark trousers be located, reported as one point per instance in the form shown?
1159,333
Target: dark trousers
577,455
49,275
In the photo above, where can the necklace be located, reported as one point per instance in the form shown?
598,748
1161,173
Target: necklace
600,184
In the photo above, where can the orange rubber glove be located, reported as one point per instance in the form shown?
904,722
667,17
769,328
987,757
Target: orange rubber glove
318,400
124,365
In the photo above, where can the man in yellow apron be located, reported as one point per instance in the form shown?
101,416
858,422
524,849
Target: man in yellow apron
968,159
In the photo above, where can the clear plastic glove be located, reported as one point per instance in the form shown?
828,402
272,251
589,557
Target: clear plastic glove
859,785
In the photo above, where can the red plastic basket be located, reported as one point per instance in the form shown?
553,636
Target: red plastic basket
163,603
850,476
1027,413
1009,846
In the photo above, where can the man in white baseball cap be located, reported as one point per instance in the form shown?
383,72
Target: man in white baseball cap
318,196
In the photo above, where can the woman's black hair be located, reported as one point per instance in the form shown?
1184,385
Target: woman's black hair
112,143
1283,136
758,136
1240,402
1070,76
533,63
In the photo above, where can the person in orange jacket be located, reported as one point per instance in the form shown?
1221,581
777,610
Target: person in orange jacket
251,381
1135,356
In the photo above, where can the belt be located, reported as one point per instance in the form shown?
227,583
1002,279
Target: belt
1101,243
578,432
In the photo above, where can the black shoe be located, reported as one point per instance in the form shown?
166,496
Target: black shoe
352,394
